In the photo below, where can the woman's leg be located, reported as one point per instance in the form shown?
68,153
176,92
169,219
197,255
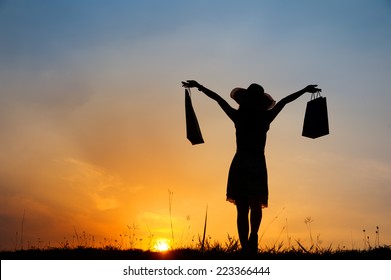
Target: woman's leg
242,207
255,222
255,217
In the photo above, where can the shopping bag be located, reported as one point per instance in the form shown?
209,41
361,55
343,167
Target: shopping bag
316,123
192,127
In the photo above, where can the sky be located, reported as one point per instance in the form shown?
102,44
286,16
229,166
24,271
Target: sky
94,147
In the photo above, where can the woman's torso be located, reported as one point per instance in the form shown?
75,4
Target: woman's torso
251,130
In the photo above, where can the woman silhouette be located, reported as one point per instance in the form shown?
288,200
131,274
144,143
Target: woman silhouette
247,185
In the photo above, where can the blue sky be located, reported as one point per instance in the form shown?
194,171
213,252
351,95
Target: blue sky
91,97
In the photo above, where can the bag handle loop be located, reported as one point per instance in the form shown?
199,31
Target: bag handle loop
315,95
188,89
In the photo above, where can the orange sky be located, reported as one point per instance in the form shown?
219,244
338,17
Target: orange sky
92,116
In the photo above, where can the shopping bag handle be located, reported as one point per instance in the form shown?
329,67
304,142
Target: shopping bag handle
315,95
188,89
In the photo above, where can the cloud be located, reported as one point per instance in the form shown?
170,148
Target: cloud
75,193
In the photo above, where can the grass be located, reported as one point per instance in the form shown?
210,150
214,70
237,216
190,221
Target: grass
204,250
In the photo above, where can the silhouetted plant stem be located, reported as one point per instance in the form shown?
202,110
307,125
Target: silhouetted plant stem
308,222
22,229
377,241
170,194
365,239
203,237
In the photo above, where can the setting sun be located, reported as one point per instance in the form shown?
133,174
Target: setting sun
162,245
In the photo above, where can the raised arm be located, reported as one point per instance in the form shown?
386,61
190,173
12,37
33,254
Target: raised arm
281,104
231,112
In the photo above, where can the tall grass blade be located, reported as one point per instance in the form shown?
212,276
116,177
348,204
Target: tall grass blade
170,193
204,235
301,246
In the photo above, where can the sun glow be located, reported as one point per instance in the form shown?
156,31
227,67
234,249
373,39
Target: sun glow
162,245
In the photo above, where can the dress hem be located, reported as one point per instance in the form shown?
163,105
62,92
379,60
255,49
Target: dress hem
263,203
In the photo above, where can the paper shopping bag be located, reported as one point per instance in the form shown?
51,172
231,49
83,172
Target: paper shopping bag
316,123
192,127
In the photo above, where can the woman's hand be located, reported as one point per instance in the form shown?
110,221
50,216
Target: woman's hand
191,84
312,89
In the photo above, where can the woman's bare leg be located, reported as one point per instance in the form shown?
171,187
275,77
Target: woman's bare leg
255,218
242,222
255,223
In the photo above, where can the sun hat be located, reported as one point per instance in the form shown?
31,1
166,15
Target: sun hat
271,102
238,93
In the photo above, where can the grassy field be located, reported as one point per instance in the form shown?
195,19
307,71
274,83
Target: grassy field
213,253
84,247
